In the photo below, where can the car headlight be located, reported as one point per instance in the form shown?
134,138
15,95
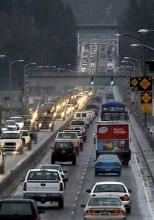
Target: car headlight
40,125
50,125
62,114
55,114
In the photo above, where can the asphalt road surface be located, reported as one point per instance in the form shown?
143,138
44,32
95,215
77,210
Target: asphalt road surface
81,177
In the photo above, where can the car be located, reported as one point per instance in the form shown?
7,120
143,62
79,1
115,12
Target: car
104,208
79,135
11,141
25,135
11,125
108,163
59,114
18,120
44,185
70,136
55,167
81,124
1,162
46,122
19,208
63,151
118,189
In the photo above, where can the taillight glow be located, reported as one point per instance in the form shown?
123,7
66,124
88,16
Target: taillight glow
118,212
125,198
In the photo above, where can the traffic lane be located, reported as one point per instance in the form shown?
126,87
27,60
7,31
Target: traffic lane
130,176
13,160
82,177
74,174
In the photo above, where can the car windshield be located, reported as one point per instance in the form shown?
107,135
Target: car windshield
77,123
43,175
55,167
15,208
67,135
18,120
109,188
10,136
63,145
104,202
10,122
107,157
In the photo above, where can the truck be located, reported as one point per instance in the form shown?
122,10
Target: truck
113,137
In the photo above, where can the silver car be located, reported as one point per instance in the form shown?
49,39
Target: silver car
104,208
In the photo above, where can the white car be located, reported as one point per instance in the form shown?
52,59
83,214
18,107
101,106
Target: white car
11,141
19,121
26,138
54,167
117,189
11,125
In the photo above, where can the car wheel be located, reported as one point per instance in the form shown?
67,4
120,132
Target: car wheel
128,210
74,162
61,204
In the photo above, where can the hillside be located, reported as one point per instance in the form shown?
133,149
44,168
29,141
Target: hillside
97,11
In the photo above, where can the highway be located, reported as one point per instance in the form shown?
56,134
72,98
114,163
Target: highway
81,177
12,161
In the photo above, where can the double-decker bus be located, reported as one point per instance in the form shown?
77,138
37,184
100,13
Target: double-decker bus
113,110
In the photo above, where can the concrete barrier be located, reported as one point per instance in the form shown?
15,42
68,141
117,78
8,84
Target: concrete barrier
12,180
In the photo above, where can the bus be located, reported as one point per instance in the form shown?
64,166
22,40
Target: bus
114,110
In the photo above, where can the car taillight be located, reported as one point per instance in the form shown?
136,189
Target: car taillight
125,198
61,186
90,212
24,187
118,212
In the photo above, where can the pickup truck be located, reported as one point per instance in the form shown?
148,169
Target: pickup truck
44,185
11,141
25,135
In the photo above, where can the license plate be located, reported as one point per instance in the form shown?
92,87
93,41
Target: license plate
104,213
108,169
43,195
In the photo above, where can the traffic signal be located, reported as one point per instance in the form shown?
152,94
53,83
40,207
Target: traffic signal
112,81
92,81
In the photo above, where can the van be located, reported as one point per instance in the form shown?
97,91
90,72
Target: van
83,115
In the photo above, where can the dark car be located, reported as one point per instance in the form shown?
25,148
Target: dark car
17,209
63,151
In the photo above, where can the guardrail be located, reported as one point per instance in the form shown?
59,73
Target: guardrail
12,180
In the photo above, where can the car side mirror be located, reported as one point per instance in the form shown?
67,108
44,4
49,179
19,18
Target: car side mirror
65,171
88,190
83,206
51,147
129,190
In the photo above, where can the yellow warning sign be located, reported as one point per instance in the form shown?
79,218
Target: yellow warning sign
145,83
133,81
146,107
146,97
